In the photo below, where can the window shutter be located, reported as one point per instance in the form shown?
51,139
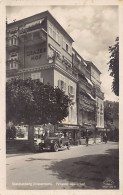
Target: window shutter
42,79
69,89
64,86
59,84
73,90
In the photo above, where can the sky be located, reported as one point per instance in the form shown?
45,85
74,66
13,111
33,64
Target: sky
93,29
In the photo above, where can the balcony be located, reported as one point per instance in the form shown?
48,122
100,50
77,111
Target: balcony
34,37
57,59
99,93
13,47
86,104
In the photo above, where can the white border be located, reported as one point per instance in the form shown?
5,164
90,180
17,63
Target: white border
3,5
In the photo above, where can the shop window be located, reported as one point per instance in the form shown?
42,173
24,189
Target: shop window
22,132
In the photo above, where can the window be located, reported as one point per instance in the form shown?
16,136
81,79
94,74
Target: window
13,65
54,33
50,30
57,37
62,85
67,46
71,90
12,41
37,75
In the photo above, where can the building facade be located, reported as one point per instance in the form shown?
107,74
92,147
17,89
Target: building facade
85,92
99,95
38,47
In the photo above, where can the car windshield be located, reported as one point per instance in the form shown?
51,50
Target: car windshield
53,135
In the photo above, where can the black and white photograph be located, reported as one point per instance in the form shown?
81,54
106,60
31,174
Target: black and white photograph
62,97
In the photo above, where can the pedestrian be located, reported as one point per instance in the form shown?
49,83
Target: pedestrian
87,139
105,138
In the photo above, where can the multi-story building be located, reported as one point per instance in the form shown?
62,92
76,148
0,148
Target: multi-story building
86,103
38,47
99,95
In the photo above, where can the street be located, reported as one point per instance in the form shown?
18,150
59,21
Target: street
81,167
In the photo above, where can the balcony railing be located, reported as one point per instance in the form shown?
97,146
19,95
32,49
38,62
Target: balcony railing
12,47
56,59
99,93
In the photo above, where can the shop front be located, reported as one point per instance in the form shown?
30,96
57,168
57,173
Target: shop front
71,131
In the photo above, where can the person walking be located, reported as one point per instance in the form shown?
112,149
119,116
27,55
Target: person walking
87,139
105,138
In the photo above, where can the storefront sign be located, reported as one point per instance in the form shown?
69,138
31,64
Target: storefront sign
35,54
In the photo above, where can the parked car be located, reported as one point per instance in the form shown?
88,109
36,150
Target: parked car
54,142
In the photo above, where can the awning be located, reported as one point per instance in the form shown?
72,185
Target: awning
54,49
85,63
89,81
68,126
34,23
91,96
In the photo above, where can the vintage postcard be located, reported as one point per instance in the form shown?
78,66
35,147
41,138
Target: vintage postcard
61,128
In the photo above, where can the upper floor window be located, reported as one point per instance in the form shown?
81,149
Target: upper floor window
62,85
12,41
54,33
67,46
13,64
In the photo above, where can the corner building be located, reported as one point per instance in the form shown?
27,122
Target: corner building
38,47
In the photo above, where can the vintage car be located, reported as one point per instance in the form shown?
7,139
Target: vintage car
54,142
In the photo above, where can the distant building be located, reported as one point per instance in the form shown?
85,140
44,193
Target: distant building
86,101
99,95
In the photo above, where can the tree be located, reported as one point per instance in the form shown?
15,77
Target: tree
111,113
32,102
114,66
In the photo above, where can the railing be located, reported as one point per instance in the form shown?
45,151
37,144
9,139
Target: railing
86,104
59,61
99,93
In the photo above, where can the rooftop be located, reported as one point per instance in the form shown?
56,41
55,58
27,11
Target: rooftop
45,14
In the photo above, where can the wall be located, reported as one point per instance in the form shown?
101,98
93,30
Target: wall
100,112
58,76
47,75
59,45
35,55
95,77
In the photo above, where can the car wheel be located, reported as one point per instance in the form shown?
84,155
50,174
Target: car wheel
55,147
